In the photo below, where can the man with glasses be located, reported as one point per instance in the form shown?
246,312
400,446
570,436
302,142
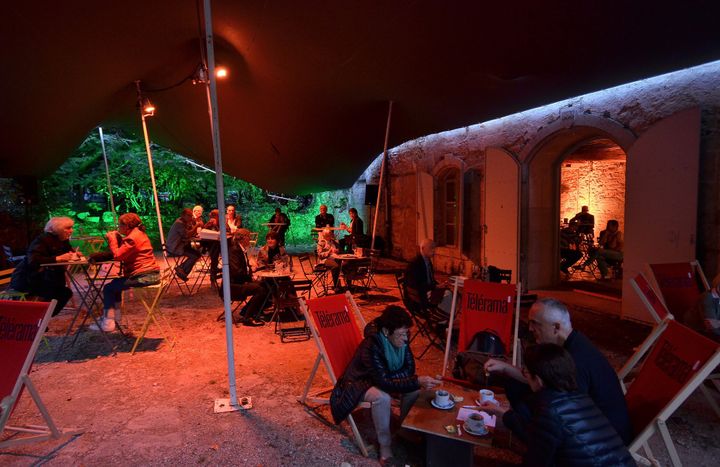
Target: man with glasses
550,324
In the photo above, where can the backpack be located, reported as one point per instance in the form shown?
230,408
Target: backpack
469,365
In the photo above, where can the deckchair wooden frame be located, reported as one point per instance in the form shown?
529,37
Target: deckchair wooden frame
26,434
315,396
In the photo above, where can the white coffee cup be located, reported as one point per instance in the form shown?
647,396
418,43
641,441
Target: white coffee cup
475,422
487,395
442,398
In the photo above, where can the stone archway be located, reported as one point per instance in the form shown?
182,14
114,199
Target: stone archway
540,190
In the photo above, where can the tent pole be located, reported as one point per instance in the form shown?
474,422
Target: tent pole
152,174
382,174
107,174
211,89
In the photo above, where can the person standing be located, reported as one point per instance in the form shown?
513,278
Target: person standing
178,244
324,219
52,246
282,222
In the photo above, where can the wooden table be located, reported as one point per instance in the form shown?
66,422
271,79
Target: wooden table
443,448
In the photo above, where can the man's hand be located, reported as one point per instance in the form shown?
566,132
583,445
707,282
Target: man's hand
493,409
428,382
497,366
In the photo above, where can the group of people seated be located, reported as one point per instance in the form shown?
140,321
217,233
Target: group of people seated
576,241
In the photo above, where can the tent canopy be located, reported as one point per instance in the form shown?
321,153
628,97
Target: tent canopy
304,107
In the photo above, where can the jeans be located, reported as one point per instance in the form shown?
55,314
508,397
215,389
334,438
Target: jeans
112,292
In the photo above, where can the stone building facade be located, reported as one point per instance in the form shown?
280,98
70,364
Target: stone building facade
491,193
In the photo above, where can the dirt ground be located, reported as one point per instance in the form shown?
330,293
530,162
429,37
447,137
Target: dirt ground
156,407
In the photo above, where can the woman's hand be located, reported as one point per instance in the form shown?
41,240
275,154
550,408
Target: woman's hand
428,382
493,409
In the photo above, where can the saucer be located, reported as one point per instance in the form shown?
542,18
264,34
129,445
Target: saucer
473,432
449,406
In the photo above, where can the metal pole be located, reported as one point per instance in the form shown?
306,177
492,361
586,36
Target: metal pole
107,173
215,128
382,174
152,175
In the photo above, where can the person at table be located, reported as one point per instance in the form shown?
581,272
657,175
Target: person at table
383,364
565,425
550,324
241,282
213,247
179,243
610,248
585,221
282,224
52,246
327,247
420,276
272,252
324,219
130,245
355,231
233,220
705,316
569,247
198,218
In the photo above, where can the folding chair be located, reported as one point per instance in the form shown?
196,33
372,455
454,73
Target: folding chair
18,351
370,271
195,278
150,298
289,325
679,362
317,274
337,335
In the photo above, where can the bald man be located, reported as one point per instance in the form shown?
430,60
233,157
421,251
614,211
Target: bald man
550,324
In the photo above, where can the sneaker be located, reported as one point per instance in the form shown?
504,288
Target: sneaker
107,325
181,274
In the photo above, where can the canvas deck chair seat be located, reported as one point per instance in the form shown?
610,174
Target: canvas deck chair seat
18,349
150,297
679,362
337,332
487,308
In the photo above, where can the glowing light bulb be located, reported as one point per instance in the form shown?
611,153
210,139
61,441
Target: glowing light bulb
221,72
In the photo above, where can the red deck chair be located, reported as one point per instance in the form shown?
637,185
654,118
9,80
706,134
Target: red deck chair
337,333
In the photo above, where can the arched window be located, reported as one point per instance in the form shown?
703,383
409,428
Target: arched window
447,202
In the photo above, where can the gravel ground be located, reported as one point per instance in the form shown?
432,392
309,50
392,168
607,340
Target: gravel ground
156,407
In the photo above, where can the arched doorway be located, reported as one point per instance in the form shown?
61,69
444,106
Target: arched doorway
591,193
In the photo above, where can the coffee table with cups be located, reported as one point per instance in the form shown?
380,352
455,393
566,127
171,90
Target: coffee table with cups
445,448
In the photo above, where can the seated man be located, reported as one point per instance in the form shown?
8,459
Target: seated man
569,247
585,221
272,252
326,247
611,247
198,219
178,243
705,316
241,282
324,219
550,324
420,276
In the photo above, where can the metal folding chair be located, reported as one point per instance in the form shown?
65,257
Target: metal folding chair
150,298
316,273
289,320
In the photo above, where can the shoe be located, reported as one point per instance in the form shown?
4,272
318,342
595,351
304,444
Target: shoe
106,325
251,322
181,274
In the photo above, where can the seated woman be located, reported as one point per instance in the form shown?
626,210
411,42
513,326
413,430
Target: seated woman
383,364
131,245
326,247
272,252
565,428
52,246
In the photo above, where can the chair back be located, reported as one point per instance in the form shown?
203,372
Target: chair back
680,284
336,330
487,307
498,275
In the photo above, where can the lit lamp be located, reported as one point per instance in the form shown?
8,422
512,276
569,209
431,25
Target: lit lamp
148,109
201,74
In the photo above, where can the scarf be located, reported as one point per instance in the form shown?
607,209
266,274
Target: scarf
395,356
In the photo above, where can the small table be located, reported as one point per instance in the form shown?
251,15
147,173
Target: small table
443,448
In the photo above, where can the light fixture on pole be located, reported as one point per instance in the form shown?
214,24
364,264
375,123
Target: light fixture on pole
148,110
201,74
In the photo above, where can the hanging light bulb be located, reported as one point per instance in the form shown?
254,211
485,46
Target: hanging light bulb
221,72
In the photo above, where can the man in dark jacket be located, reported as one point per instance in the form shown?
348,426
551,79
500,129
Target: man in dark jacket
178,243
324,219
565,426
241,282
420,276
550,324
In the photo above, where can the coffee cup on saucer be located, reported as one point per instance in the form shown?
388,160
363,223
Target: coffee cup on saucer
475,423
487,395
442,398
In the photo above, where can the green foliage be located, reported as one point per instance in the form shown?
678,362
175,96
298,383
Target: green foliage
79,189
